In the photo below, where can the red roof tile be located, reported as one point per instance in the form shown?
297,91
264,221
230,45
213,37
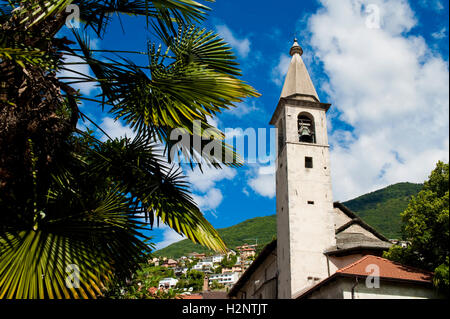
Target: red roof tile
388,269
196,296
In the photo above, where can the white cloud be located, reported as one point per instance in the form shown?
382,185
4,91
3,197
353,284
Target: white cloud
280,70
94,44
208,197
440,34
86,88
435,5
169,237
390,87
262,181
203,181
438,6
243,108
275,34
115,129
242,46
213,121
231,133
210,201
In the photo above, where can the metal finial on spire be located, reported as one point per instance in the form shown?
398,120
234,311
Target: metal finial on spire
296,48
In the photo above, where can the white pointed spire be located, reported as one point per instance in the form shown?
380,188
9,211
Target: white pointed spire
297,79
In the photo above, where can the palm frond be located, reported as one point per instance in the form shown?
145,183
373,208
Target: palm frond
32,12
81,223
194,44
171,96
161,190
98,243
97,14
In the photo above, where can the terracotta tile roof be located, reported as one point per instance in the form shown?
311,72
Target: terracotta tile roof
388,269
195,296
153,290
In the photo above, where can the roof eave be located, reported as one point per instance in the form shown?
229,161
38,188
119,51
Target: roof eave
362,248
308,292
357,220
292,98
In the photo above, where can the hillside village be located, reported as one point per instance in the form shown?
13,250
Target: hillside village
198,274
202,275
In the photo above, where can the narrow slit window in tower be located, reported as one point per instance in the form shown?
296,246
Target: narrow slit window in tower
308,162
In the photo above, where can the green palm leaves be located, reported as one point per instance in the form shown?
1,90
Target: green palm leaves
97,14
195,78
85,233
74,220
156,189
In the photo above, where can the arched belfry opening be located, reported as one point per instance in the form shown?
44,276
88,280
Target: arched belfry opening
306,129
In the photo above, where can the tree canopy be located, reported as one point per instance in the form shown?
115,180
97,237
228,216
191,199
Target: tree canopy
426,228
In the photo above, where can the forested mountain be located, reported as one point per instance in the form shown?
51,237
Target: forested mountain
381,209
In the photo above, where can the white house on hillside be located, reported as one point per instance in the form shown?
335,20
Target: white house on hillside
202,265
227,279
168,283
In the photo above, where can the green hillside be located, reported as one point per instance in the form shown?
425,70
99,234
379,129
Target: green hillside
262,229
380,209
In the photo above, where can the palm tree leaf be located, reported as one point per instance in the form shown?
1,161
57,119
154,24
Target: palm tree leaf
162,191
194,44
97,14
30,13
172,97
96,230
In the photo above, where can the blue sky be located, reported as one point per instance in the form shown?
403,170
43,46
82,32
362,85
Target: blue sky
382,64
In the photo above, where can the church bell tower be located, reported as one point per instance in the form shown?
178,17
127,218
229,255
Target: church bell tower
305,226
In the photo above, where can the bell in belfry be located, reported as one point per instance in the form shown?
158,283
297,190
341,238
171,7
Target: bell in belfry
304,131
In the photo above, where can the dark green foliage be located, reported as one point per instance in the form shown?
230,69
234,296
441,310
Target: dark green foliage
152,275
193,279
441,275
144,279
381,209
215,285
218,270
228,262
85,218
426,227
